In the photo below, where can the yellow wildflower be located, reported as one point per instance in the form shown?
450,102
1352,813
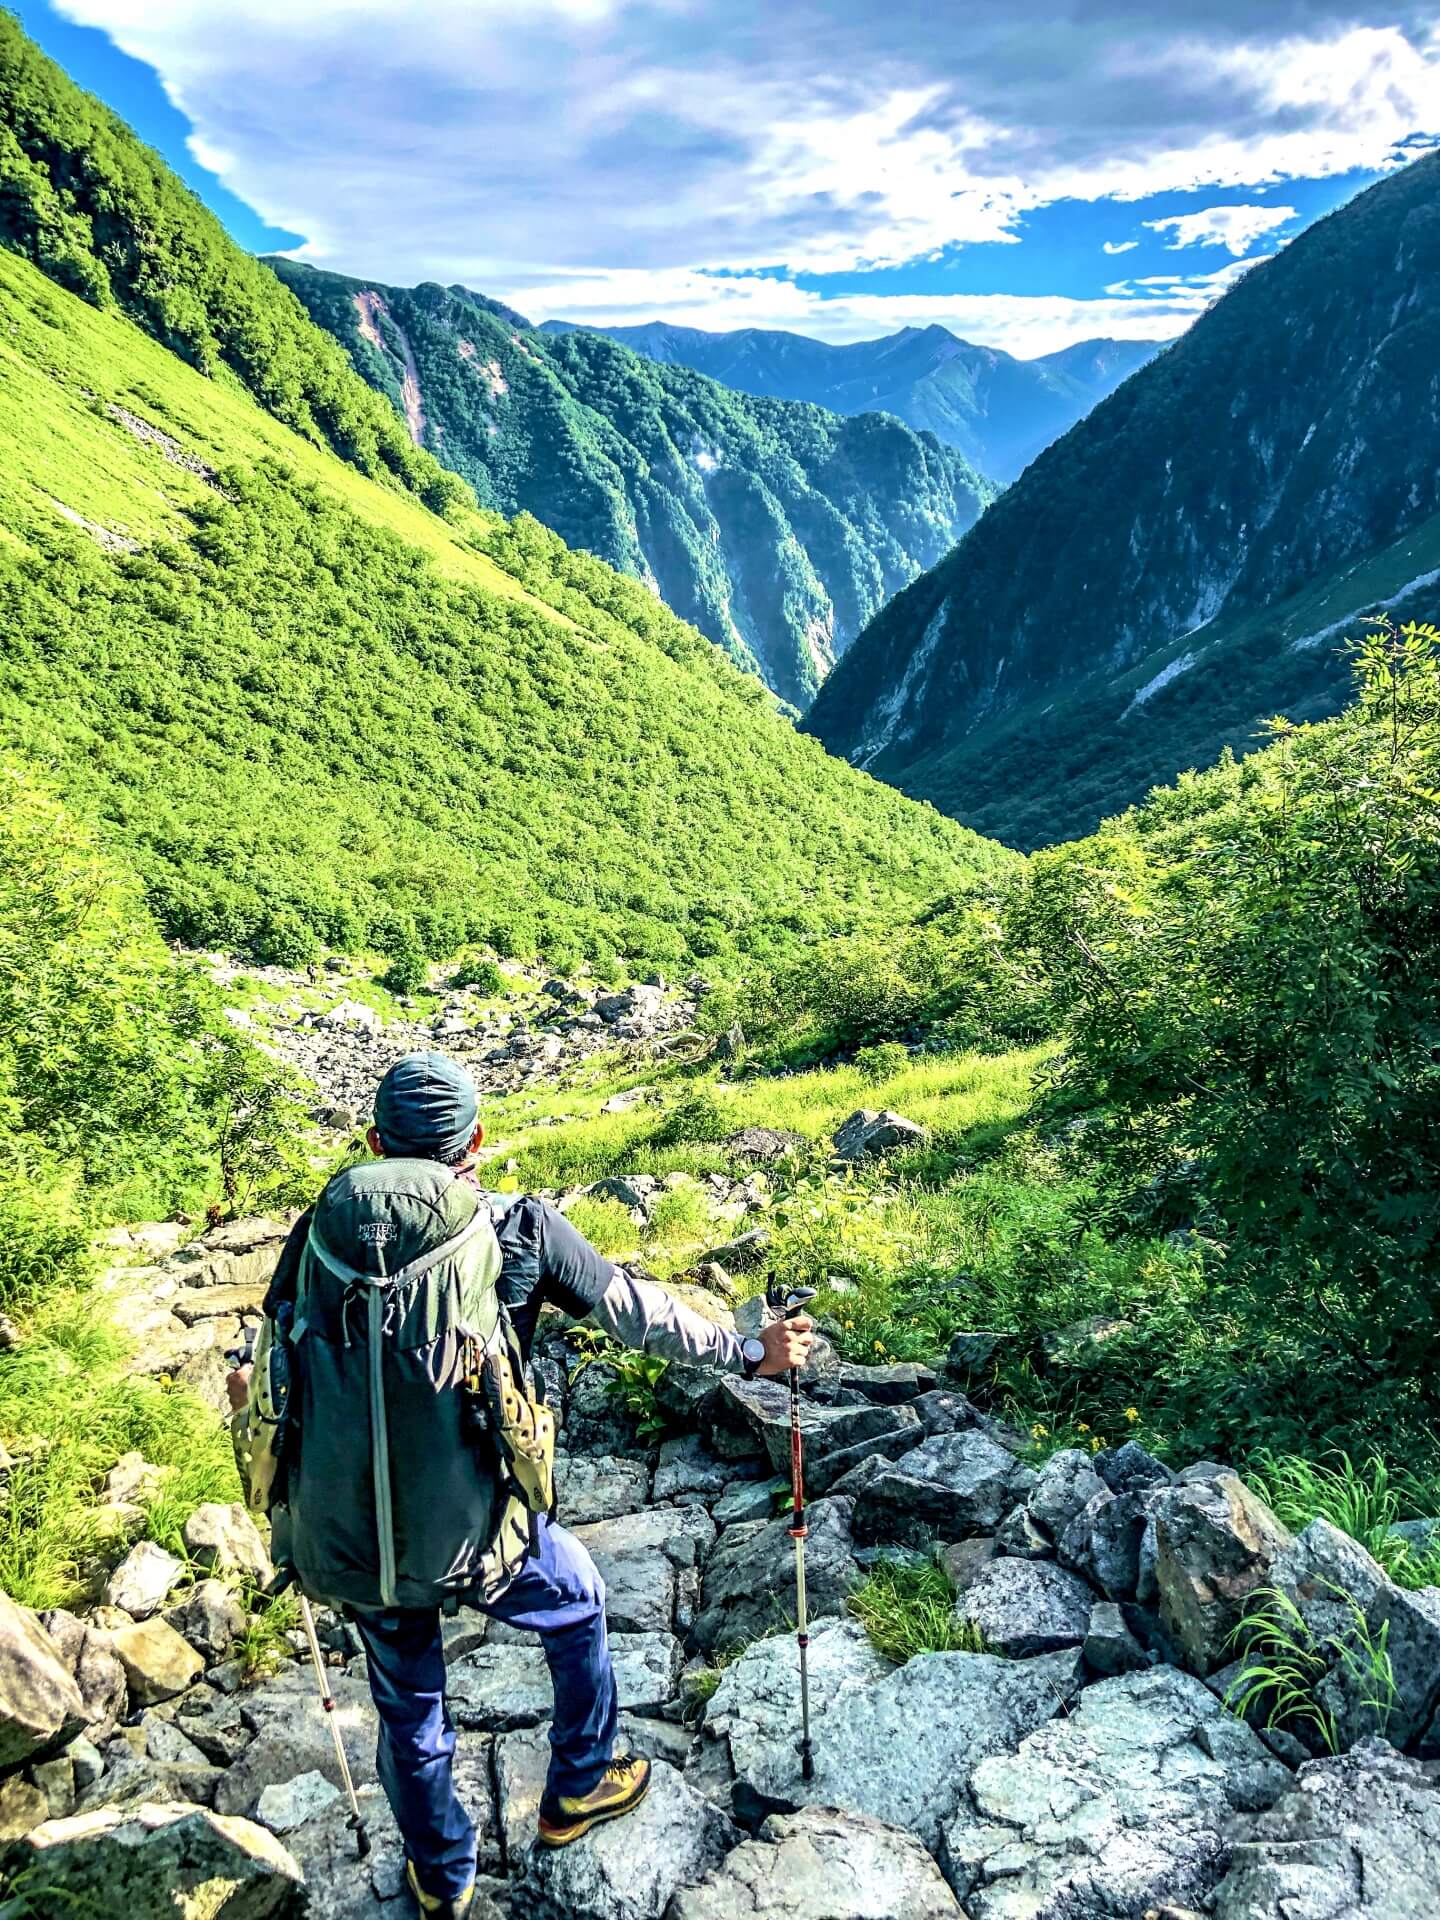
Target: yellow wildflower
1096,1443
1132,1414
1080,1427
1037,1432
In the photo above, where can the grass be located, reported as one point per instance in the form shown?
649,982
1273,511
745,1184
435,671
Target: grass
264,1644
1364,1501
908,1607
68,1411
1284,1661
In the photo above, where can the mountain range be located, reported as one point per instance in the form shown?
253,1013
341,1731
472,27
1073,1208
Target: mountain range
778,529
1000,411
309,692
1190,558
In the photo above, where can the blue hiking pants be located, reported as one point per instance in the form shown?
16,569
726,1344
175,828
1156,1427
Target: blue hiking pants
558,1594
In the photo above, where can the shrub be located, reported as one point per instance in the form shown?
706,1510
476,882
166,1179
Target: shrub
882,1062
482,974
695,1119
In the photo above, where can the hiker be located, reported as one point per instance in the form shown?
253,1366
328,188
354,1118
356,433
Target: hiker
389,1428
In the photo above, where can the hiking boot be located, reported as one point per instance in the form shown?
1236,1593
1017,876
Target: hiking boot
437,1906
623,1785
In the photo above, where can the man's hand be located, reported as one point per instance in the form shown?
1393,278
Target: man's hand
787,1344
237,1385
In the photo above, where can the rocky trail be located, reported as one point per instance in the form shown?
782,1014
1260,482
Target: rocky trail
1081,1766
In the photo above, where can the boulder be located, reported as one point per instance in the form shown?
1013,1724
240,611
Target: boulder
819,1864
158,1663
1102,1543
1215,1543
165,1741
758,1411
950,1484
1410,1624
95,1668
688,1470
868,1133
1019,1536
742,1254
56,1780
1356,1837
522,1760
748,1584
595,1421
210,1618
749,1500
162,1863
143,1579
1130,1469
633,1868
40,1704
1127,1802
897,1743
500,1686
292,1736
970,1357
131,1478
224,1539
1027,1606
831,1468
599,1486
962,1560
1065,1486
284,1807
761,1144
1110,1647
901,1380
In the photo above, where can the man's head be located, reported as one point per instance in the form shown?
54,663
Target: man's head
425,1109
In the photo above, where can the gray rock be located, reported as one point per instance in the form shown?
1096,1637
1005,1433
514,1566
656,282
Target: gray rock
1216,1542
1110,1647
949,1485
633,1868
831,1468
1130,1469
1410,1622
634,1190
1102,1543
209,1617
1353,1838
595,1422
23,1807
162,1860
289,1805
86,1762
963,1559
901,1380
742,1254
56,1780
748,1500
1128,1802
1019,1536
165,1741
224,1539
131,1476
971,1356
946,1411
498,1687
1027,1606
1066,1485
158,1663
748,1584
292,1736
143,1579
215,1723
688,1468
522,1759
820,1864
759,1411
93,1665
40,1704
599,1487
894,1742
868,1133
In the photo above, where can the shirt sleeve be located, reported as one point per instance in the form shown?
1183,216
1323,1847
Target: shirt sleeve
639,1314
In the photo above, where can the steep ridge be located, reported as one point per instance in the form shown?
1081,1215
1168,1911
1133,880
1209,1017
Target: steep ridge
777,529
316,713
998,410
1189,558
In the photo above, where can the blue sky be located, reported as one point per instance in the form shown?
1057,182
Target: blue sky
1028,176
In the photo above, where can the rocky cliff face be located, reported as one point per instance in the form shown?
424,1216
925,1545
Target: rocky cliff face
1153,565
779,530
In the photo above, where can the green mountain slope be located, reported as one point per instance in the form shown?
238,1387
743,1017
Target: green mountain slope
779,530
312,711
998,410
1188,559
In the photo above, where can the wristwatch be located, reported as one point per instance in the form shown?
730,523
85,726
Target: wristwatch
752,1352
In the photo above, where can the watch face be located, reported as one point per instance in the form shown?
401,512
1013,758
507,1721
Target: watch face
754,1351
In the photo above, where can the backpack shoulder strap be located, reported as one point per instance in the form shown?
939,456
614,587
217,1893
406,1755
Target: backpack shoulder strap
354,1276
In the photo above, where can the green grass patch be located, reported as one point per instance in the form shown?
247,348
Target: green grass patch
908,1607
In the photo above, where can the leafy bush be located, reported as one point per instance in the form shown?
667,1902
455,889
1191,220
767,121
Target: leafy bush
481,974
882,1062
696,1118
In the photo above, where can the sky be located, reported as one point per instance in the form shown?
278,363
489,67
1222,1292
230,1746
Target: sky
1027,175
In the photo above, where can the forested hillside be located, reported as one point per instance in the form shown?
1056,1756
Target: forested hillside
778,529
315,712
999,411
1185,562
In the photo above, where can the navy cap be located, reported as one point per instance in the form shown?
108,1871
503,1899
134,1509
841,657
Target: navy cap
425,1107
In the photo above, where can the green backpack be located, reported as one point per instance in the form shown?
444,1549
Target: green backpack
415,1454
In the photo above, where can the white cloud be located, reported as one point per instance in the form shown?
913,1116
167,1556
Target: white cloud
1234,228
1118,246
524,145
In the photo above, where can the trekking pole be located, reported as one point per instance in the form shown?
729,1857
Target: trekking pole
787,1304
356,1822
